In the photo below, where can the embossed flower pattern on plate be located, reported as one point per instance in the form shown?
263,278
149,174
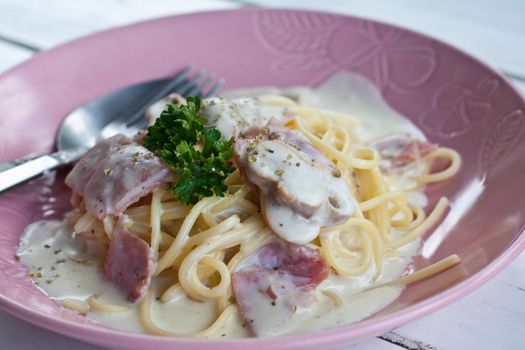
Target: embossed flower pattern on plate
457,106
311,42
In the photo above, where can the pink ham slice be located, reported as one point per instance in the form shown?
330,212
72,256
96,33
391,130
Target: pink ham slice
115,174
122,179
88,164
129,264
275,284
400,150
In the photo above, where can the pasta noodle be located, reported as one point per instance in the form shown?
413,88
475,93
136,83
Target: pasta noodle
199,246
75,306
96,304
424,273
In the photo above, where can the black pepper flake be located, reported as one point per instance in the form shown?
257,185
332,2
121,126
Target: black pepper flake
297,164
60,261
47,246
273,303
58,251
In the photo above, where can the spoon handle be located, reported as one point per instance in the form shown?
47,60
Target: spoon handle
34,167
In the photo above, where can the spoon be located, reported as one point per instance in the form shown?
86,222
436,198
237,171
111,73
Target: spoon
121,111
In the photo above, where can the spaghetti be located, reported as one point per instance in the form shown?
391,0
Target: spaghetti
199,247
205,242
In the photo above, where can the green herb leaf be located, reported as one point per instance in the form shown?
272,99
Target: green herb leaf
177,137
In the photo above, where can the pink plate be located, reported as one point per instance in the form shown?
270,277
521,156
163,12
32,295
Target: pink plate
458,101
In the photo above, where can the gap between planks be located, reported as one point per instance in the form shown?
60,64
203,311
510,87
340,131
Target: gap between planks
405,342
19,44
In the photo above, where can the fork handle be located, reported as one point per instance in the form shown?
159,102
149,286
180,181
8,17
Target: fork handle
12,163
37,166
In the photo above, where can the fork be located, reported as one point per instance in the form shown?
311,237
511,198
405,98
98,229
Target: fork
118,112
200,84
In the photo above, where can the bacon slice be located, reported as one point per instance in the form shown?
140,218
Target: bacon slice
88,164
275,284
129,264
400,150
115,174
122,179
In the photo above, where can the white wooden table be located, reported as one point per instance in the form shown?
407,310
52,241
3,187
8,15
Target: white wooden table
493,317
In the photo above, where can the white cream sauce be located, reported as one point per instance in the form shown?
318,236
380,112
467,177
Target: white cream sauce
283,173
348,93
46,246
45,249
233,116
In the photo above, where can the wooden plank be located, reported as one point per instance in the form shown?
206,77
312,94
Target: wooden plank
492,317
44,24
519,84
11,55
371,344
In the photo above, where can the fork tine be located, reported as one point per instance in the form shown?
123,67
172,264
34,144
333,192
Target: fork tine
200,83
152,95
178,82
191,83
213,89
136,112
199,87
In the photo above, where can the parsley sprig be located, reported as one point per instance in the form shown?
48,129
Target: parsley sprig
196,153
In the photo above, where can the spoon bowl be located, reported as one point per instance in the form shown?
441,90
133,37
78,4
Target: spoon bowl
84,125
